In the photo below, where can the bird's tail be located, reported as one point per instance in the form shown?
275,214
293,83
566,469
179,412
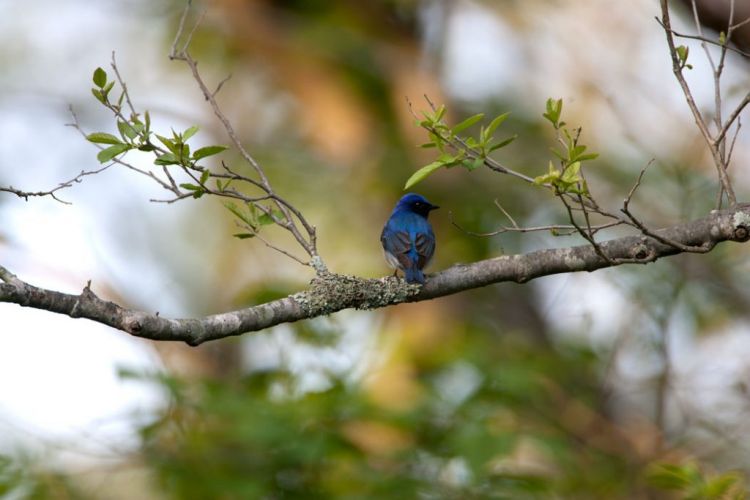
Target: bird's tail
414,275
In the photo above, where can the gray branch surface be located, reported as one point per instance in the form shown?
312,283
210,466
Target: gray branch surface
329,293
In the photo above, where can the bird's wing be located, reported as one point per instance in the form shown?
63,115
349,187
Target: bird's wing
425,245
398,244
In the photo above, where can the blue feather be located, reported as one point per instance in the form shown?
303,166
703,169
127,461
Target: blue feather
407,238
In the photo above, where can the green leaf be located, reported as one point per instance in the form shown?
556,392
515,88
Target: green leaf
107,88
167,159
473,164
590,156
682,53
503,143
451,160
190,187
719,487
484,137
551,177
234,209
671,477
440,112
204,176
189,133
103,138
266,219
244,236
496,123
572,174
557,153
584,189
127,130
568,137
428,145
467,123
208,151
250,218
575,151
169,143
107,154
99,96
100,77
722,38
554,110
541,180
422,173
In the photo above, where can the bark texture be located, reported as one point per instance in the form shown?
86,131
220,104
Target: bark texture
329,293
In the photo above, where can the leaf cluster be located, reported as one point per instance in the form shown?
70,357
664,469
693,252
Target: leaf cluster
683,51
252,218
135,134
693,484
566,176
479,410
454,149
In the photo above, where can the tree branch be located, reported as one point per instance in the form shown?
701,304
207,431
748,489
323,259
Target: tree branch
329,293
290,214
53,192
677,67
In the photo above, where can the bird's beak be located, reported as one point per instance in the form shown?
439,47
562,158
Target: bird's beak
433,207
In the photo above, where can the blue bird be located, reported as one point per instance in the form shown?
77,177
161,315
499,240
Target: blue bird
407,238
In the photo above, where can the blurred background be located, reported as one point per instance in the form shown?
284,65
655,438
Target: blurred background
624,383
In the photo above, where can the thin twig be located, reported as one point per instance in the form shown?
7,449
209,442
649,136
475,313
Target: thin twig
584,234
730,121
723,55
637,184
281,250
740,24
289,212
77,126
699,28
704,39
177,198
52,192
505,212
123,86
676,244
734,137
459,144
560,229
719,162
189,38
221,84
180,29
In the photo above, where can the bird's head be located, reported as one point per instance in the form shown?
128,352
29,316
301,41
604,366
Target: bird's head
415,203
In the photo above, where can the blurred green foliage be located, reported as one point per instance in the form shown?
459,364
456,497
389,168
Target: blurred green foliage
693,484
496,418
26,478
